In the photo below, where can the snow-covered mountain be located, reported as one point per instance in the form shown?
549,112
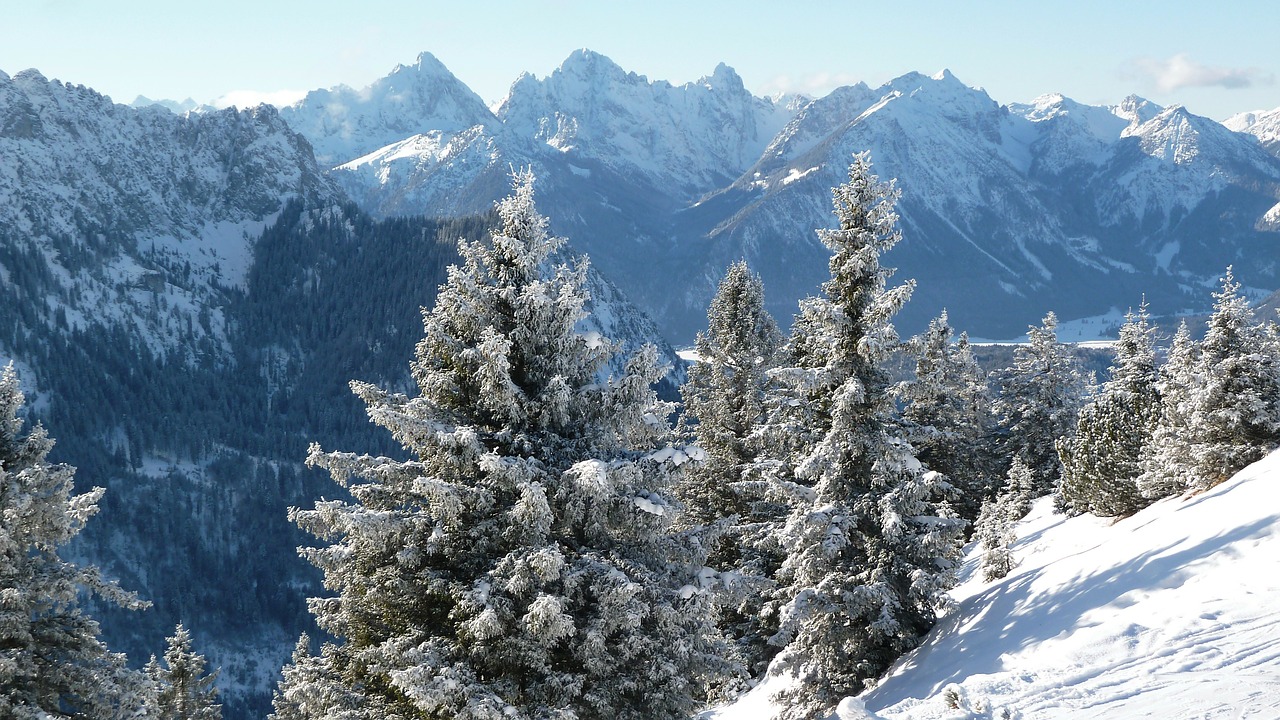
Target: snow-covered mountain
687,139
1262,124
128,210
423,98
1051,204
1171,613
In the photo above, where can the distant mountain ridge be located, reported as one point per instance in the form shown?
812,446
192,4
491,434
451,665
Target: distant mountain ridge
1008,210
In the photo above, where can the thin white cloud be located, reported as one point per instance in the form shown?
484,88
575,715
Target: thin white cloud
813,85
1180,71
253,98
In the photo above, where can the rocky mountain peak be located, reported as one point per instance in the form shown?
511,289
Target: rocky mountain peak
1136,110
343,124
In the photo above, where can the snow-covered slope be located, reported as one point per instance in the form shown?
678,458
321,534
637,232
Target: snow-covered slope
437,173
132,210
1173,613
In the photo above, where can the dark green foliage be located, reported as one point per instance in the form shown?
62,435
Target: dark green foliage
1039,397
725,398
1235,410
183,690
520,563
870,545
946,415
52,660
1102,461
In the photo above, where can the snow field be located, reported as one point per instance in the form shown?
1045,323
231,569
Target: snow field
1170,613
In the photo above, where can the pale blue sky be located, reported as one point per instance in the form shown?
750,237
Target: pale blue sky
1216,61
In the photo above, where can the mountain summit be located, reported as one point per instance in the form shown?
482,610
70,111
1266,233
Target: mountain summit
343,124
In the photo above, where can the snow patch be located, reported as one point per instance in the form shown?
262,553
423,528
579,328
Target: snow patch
795,174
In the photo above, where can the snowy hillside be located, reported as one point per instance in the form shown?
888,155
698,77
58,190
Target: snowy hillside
132,211
1173,613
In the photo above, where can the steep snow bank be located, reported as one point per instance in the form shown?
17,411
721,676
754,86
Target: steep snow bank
1172,613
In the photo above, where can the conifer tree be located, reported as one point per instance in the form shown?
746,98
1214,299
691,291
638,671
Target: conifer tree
869,555
725,396
1168,463
999,516
52,662
521,564
947,414
1038,401
183,690
1102,461
1235,410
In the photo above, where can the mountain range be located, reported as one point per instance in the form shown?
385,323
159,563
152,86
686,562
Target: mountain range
1008,210
187,295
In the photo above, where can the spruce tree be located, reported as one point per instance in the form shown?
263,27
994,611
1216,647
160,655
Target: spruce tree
725,394
1235,410
1168,462
1102,461
869,553
1039,398
521,563
52,661
725,397
947,414
183,690
995,531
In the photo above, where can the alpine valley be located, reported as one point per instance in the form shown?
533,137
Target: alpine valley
187,296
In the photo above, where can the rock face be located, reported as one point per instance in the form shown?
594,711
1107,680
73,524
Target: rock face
1008,210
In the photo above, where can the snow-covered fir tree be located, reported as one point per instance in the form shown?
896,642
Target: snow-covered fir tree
995,528
1102,461
1235,408
870,554
52,662
521,563
182,688
1168,462
947,414
1038,400
725,396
